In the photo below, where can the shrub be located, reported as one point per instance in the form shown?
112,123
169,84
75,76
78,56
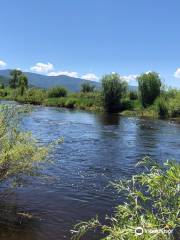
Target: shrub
113,89
87,87
174,105
3,93
151,206
133,95
149,87
2,85
126,104
162,107
32,96
70,103
19,154
57,92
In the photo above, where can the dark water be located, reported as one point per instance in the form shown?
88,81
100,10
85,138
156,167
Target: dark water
97,149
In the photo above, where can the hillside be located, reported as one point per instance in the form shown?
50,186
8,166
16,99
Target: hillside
42,81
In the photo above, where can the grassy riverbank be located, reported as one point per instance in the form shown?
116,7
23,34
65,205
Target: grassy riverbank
168,102
151,99
84,101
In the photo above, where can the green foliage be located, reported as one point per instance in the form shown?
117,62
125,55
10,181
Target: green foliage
32,96
55,102
113,89
133,95
14,81
174,105
126,104
22,83
2,86
162,107
152,204
3,93
20,155
149,87
87,87
71,103
170,93
152,100
57,92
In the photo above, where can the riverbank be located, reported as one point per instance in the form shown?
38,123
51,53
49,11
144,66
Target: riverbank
167,106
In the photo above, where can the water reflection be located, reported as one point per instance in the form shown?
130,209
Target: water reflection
108,119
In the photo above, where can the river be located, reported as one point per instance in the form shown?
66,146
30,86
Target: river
97,149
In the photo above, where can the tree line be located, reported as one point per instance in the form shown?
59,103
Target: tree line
113,96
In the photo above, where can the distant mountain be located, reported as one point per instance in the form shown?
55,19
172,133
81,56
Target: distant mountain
42,81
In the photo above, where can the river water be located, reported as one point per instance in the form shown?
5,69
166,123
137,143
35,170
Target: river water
97,149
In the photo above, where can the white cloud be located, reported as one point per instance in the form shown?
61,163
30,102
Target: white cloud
2,64
147,72
90,76
177,73
66,73
42,67
130,77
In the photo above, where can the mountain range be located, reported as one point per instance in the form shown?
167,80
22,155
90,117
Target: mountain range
43,81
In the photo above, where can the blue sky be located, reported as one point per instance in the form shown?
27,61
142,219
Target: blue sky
92,37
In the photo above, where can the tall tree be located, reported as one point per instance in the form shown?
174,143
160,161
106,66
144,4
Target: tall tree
113,89
22,83
149,87
14,81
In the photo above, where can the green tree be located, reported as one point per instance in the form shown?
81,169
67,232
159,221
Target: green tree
149,87
14,80
22,83
2,86
113,90
87,87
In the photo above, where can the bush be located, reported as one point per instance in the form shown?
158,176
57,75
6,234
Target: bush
162,107
32,96
3,93
133,95
126,104
19,154
57,92
113,89
70,103
87,87
174,105
149,87
151,206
